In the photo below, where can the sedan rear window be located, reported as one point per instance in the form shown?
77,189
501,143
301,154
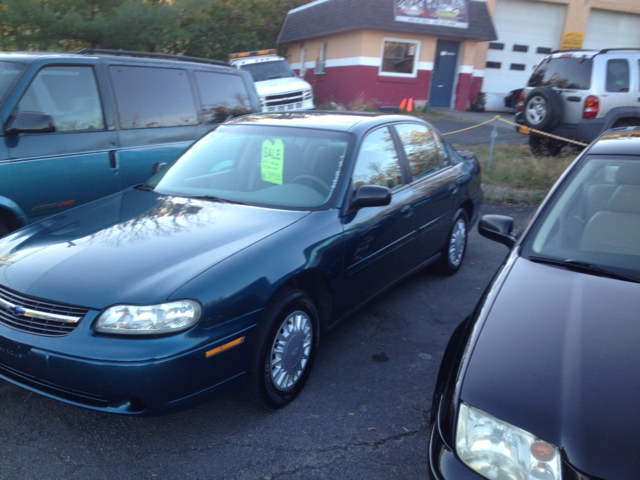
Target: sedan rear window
563,72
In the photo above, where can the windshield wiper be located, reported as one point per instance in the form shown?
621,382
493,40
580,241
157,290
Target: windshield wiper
584,267
213,198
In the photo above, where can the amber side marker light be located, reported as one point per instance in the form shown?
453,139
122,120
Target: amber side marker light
543,452
224,347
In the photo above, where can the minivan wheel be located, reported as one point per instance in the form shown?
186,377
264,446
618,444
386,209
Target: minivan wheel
456,246
542,108
285,348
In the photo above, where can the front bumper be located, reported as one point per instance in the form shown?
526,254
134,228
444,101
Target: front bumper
127,375
443,462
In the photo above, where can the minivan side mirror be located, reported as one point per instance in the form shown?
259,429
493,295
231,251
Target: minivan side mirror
369,196
29,122
497,228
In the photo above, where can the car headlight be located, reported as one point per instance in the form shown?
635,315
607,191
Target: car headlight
157,319
499,451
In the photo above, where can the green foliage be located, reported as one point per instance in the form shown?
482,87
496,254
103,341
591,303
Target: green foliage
205,28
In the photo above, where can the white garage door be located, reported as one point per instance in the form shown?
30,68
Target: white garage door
612,30
527,31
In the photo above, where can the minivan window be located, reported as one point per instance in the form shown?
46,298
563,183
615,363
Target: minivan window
222,96
9,71
69,94
563,72
149,97
617,75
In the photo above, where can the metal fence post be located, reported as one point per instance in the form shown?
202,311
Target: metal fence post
494,135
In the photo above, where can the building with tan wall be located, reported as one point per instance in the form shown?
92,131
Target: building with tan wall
383,51
529,29
443,51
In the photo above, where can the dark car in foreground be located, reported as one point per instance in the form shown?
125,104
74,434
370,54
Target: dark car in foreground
542,381
229,265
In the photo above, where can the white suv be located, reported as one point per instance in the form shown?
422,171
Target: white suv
279,88
578,94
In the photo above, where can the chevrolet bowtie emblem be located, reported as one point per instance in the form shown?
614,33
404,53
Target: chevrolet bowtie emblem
17,310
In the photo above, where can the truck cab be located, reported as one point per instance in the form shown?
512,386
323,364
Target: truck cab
279,88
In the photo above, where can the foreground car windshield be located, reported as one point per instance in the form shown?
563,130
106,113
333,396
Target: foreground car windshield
281,167
594,219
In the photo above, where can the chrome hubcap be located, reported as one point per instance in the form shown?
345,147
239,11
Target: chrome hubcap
536,110
290,350
456,244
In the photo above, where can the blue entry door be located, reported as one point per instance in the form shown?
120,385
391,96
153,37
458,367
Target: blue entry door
444,71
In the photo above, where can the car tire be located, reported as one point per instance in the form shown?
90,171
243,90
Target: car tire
545,147
4,229
542,109
454,249
285,348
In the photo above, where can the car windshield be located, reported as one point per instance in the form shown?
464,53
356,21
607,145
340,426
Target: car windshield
9,71
279,167
594,219
268,70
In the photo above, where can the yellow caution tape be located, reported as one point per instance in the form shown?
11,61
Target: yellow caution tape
522,129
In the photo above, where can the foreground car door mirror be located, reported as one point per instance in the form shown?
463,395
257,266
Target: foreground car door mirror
498,228
30,122
369,196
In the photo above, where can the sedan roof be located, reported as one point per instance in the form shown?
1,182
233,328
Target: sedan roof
619,141
342,121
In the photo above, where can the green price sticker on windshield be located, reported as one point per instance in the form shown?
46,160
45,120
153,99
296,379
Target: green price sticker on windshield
272,163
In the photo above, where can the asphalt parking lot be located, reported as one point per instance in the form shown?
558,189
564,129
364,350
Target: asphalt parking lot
363,415
455,121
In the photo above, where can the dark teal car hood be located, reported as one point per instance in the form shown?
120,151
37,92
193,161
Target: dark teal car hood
135,246
559,357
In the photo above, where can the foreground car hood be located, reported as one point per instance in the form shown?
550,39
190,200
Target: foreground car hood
559,356
134,246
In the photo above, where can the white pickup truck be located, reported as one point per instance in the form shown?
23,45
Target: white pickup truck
279,88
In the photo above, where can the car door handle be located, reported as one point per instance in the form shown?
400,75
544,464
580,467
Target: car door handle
406,210
453,189
113,161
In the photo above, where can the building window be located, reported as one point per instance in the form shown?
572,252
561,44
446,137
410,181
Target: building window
303,61
543,50
322,60
496,46
400,57
494,64
520,48
518,66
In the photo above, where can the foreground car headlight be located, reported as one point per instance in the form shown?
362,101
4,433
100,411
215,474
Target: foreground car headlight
499,451
149,319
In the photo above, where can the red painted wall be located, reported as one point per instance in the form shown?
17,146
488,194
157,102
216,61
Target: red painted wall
353,84
361,84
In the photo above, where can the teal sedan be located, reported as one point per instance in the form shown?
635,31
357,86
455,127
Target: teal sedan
228,266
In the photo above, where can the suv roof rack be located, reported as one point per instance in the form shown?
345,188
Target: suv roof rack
605,50
167,56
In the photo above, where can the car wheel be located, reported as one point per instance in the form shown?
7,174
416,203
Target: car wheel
4,229
453,251
285,348
542,108
545,147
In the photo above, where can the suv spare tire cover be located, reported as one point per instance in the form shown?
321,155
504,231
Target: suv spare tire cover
542,108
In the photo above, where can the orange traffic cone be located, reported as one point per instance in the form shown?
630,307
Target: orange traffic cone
403,104
410,105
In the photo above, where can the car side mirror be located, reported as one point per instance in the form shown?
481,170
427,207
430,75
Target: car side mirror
497,228
158,166
369,196
29,122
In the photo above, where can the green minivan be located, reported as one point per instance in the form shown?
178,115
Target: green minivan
77,126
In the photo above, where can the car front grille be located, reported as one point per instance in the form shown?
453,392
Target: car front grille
284,99
40,317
